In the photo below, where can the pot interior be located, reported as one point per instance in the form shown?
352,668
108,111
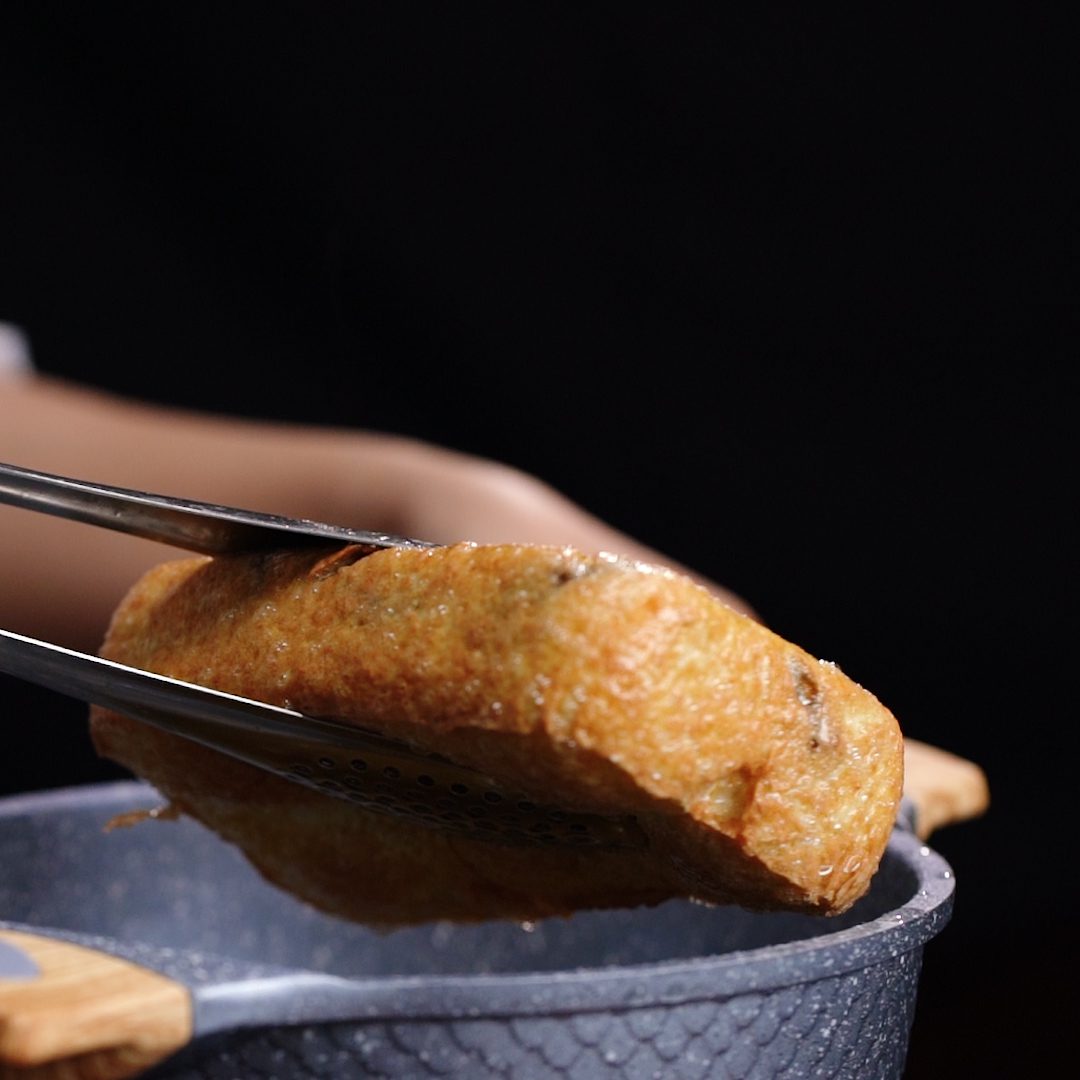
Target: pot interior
173,884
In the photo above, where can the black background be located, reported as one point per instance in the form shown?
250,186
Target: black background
787,297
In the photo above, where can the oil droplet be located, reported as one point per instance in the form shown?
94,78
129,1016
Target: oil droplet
729,796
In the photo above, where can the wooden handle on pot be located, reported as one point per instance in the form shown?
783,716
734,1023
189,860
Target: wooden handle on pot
944,788
72,1013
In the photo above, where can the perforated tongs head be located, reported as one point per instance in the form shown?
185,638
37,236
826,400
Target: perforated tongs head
377,773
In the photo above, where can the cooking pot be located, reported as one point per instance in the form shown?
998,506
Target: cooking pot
158,951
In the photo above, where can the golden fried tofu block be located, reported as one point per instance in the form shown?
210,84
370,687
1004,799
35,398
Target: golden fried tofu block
756,774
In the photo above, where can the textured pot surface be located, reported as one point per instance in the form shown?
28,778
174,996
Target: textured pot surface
280,990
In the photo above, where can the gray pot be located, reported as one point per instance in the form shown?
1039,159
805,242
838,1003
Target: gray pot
276,989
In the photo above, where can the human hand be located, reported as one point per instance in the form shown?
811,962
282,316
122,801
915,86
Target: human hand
60,580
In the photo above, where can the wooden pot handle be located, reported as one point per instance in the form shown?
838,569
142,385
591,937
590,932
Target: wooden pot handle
71,1013
945,789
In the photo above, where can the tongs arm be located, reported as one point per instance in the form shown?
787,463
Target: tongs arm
195,526
272,738
378,773
224,722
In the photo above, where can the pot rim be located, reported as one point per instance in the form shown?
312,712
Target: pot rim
305,995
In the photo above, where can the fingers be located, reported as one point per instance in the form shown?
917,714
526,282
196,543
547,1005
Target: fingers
450,497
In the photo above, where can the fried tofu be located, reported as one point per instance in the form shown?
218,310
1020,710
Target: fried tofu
753,773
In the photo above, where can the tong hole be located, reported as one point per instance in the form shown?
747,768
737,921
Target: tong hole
443,801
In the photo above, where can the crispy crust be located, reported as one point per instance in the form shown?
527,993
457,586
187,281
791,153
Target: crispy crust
760,775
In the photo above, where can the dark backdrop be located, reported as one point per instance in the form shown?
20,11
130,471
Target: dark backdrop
782,296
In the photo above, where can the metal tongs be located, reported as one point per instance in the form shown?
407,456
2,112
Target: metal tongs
374,771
